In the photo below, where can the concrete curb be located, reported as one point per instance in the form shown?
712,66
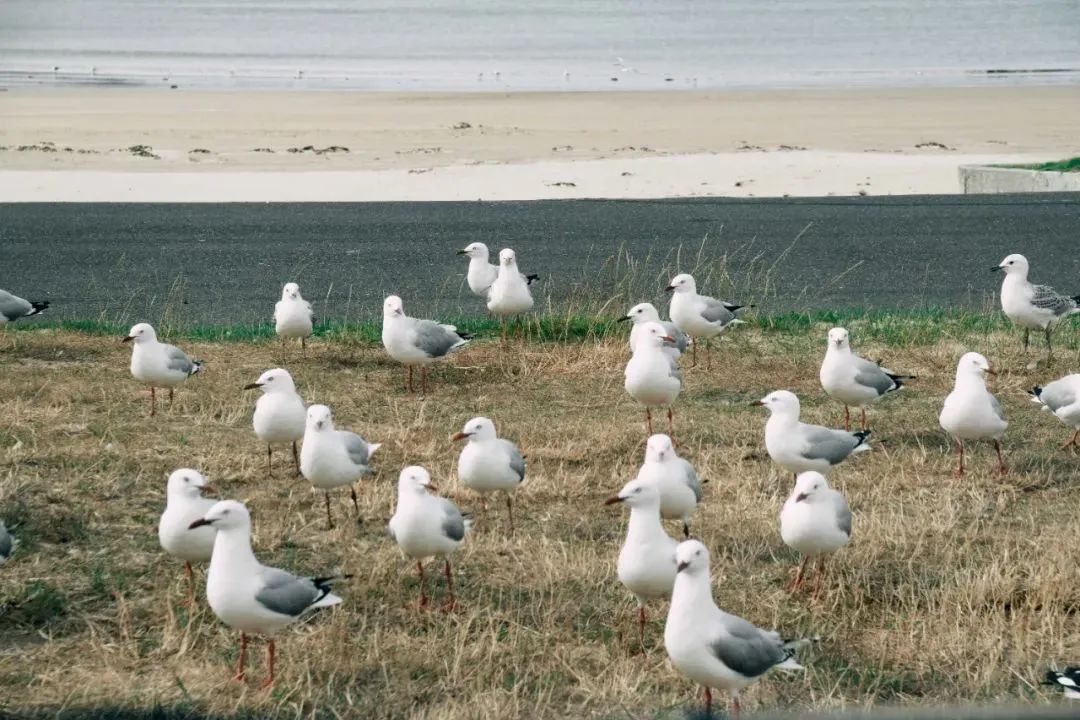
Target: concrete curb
976,179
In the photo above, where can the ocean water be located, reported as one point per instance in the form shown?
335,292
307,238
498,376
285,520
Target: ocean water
503,45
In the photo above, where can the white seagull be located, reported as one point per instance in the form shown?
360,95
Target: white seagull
412,341
1032,306
426,525
647,559
8,542
1062,397
13,307
699,316
184,504
158,364
252,597
489,463
712,647
652,377
815,521
675,480
853,381
279,414
482,274
797,446
970,412
293,316
509,294
1068,680
331,458
644,313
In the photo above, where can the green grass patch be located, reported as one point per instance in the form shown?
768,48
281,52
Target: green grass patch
1070,165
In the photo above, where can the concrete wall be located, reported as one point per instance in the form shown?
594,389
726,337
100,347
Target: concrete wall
982,179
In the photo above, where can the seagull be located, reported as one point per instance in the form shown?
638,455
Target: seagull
970,411
1032,306
712,647
293,316
482,274
797,446
412,341
643,313
184,504
852,380
699,316
647,559
675,480
331,458
13,307
8,543
1068,680
252,597
815,521
652,377
426,525
158,364
1062,397
509,294
488,463
279,414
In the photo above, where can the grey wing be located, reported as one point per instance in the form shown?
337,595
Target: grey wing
681,341
356,446
843,513
996,407
434,339
827,444
746,649
178,360
517,460
13,307
870,375
692,480
286,593
716,311
1046,298
453,525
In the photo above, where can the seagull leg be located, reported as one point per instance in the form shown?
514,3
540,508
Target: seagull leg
708,702
510,511
685,530
423,595
847,419
191,585
1002,470
1027,337
270,665
819,575
170,398
648,419
708,355
303,346
960,470
863,422
296,458
329,520
693,354
239,676
452,602
641,628
356,506
796,582
671,426
1049,347
736,708
503,323
153,401
409,373
1075,442
423,380
269,461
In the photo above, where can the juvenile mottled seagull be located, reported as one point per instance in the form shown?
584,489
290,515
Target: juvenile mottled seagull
815,522
1032,306
412,341
1068,680
970,412
184,504
482,274
249,596
647,558
331,458
674,478
644,313
13,307
7,543
797,446
509,294
489,463
425,525
699,316
652,377
293,316
712,647
853,381
1062,397
280,415
158,364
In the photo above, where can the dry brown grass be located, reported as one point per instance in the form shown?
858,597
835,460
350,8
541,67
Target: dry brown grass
952,590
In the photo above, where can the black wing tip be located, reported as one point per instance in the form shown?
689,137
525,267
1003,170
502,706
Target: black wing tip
465,336
1036,392
530,279
196,366
1075,299
36,307
863,436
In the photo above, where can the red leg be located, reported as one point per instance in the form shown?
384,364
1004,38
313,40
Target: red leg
960,470
410,378
269,461
423,595
819,575
356,506
296,458
452,602
191,585
153,401
239,676
708,702
170,398
736,708
1002,470
847,418
671,426
708,355
510,512
303,345
270,664
641,628
693,354
797,581
863,419
648,419
329,520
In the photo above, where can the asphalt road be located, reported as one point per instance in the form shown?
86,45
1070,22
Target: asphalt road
226,263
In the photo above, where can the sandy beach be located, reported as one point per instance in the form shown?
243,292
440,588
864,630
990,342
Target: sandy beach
154,145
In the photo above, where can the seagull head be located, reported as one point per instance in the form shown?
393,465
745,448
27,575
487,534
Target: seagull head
276,380
392,307
507,257
659,448
692,558
780,402
656,335
186,482
681,284
973,362
1014,264
476,250
225,515
319,419
415,479
637,494
140,333
838,337
641,313
808,486
479,428
291,291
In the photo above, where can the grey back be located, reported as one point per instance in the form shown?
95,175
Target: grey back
870,375
286,593
453,525
746,649
1047,298
178,360
356,446
434,339
681,340
13,307
829,445
843,512
692,479
716,311
517,460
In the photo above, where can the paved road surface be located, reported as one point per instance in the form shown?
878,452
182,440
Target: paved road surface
226,262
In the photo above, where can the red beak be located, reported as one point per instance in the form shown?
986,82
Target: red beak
612,500
458,436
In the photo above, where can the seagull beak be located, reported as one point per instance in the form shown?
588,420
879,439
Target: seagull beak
758,403
990,371
458,436
668,338
129,338
431,486
201,522
669,288
208,489
681,566
800,497
996,268
318,424
612,500
252,386
462,252
624,318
